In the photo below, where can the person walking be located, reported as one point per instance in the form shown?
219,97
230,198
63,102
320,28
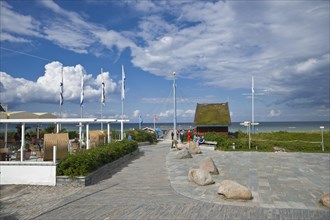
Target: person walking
189,136
172,135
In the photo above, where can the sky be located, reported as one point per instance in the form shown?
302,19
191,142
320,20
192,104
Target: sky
214,48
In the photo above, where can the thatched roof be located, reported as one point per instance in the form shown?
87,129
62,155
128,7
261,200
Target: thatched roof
25,115
216,114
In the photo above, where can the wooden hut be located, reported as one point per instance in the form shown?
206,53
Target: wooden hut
212,118
97,138
61,140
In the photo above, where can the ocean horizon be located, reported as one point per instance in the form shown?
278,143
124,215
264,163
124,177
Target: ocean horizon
297,126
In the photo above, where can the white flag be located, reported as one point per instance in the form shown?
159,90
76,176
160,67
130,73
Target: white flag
61,88
103,91
82,89
122,83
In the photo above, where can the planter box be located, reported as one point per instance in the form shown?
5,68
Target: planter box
102,173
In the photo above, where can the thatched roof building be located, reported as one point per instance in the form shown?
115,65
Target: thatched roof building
25,115
212,118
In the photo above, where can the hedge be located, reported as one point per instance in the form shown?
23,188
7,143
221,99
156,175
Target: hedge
142,136
85,162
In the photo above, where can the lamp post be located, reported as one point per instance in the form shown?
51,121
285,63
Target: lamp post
174,103
322,143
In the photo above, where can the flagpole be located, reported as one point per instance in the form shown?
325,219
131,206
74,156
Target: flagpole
174,107
121,122
140,122
61,94
122,102
102,97
81,106
154,122
252,104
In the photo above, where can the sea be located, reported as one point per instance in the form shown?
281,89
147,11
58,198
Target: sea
234,126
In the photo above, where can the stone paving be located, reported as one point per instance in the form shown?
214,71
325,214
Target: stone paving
155,186
277,180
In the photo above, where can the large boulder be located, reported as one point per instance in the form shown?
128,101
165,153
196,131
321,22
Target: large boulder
181,146
325,200
200,177
194,148
183,154
233,190
208,165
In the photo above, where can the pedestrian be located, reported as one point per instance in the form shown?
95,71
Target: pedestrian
189,136
195,138
181,137
172,135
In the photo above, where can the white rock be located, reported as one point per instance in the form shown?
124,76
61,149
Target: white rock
200,177
233,190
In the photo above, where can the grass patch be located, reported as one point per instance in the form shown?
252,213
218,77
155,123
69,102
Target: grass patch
264,142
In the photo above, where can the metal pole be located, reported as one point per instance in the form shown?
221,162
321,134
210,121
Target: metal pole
174,103
121,122
154,122
87,136
109,137
38,132
54,154
22,140
252,104
57,127
6,135
101,116
322,127
102,101
249,135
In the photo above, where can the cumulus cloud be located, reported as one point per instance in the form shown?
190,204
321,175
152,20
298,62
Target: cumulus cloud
136,113
47,86
274,113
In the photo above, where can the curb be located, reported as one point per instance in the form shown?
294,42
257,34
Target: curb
98,175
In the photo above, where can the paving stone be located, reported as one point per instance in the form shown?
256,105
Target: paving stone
164,192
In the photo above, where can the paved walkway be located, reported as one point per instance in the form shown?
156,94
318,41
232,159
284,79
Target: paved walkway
147,188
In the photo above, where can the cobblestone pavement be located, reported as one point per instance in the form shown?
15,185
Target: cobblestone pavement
277,180
146,188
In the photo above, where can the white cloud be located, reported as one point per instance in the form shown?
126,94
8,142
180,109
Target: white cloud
274,113
187,113
16,23
68,37
46,88
11,38
136,113
285,45
112,39
166,113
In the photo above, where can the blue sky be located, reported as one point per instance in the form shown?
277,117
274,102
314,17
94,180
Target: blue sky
215,47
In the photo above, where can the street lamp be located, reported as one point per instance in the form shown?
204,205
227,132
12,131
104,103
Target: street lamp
174,107
322,143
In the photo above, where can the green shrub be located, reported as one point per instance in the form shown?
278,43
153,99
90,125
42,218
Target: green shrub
85,162
142,136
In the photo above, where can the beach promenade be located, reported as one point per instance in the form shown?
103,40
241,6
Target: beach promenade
154,185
